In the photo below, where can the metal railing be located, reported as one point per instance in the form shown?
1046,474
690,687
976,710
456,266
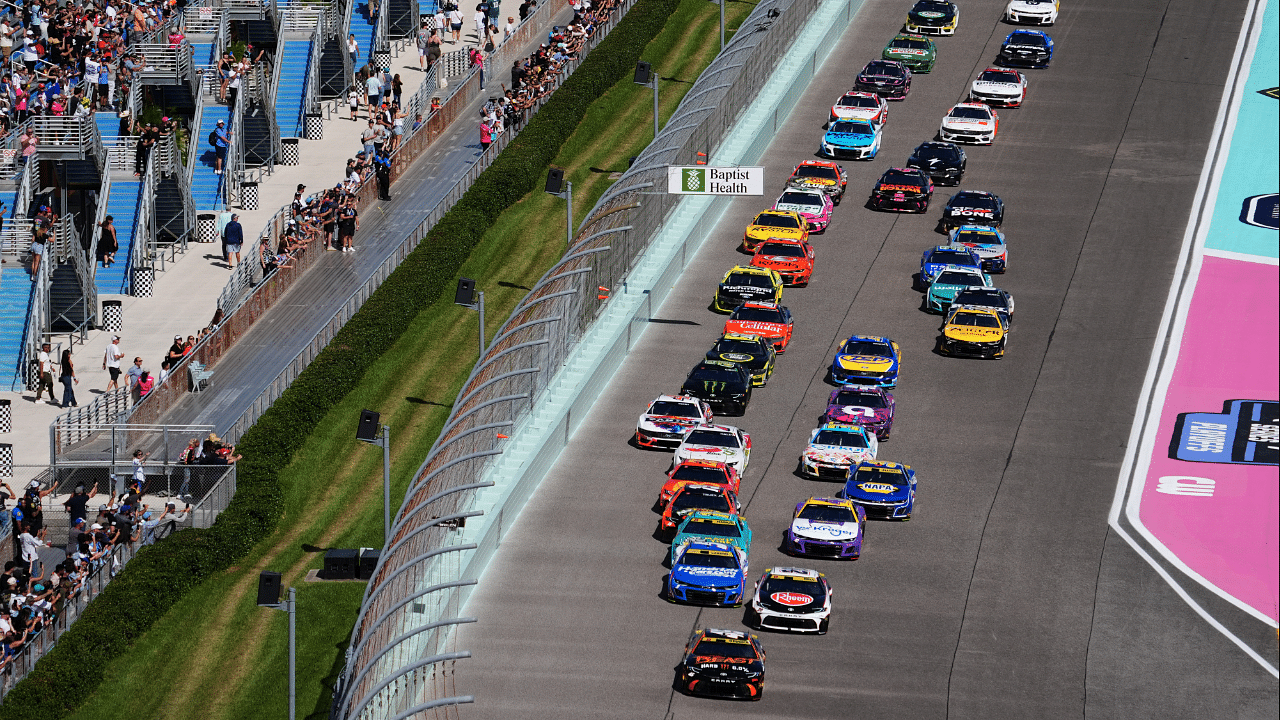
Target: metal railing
194,143
37,321
85,422
84,265
233,171
28,183
168,165
380,41
63,243
164,64
201,19
311,96
104,199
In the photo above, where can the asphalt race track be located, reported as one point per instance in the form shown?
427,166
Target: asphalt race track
1005,596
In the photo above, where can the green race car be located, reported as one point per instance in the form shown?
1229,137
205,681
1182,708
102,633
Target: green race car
915,51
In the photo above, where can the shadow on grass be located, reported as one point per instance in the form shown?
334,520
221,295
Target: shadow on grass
420,401
505,284
329,682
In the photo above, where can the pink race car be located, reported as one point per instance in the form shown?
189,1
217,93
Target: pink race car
865,405
814,206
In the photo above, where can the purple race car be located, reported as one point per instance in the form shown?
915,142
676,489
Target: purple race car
865,405
826,527
814,206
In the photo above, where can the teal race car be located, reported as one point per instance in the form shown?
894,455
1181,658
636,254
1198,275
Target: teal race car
915,51
712,526
949,283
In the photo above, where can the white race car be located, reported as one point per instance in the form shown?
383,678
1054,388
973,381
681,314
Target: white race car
792,599
834,447
861,106
717,443
669,418
970,123
1031,12
999,87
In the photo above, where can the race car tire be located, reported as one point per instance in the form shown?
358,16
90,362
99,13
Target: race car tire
759,694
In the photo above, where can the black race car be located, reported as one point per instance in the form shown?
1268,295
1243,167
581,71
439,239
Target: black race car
943,161
724,385
973,207
933,17
902,190
1026,48
722,663
986,297
886,78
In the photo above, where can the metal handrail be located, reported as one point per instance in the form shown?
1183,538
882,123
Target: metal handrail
138,250
311,97
233,170
37,320
26,187
164,62
84,266
380,41
104,199
265,92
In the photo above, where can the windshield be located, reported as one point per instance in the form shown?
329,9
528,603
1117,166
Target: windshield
699,499
969,113
800,198
712,528
859,398
1026,39
709,558
937,152
724,648
900,178
855,128
816,171
932,5
674,409
749,279
971,319
711,437
777,221
826,513
764,315
800,586
858,101
865,347
973,200
726,345
909,44
952,257
888,476
978,238
840,438
997,76
958,278
712,373
979,297
700,474
780,250
882,69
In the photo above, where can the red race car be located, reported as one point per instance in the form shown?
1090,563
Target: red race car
701,472
696,496
770,321
792,259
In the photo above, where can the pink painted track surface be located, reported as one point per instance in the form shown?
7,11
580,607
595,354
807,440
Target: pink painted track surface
1228,351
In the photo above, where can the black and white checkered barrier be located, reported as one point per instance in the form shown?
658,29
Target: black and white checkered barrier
207,228
144,280
249,195
289,154
6,416
112,316
382,59
6,460
315,127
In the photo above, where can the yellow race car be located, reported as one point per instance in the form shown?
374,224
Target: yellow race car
747,284
974,331
750,351
774,224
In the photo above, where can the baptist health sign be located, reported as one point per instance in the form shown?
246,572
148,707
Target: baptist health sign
703,180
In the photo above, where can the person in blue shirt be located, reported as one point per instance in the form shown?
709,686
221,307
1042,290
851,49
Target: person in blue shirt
223,139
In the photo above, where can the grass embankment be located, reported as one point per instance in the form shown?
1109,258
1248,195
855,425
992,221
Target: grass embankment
215,654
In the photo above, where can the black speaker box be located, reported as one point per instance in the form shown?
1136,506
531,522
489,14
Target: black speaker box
555,180
368,428
340,564
269,588
368,562
466,292
644,73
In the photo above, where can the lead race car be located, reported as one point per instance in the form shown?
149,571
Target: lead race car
861,106
813,206
669,418
999,87
1031,12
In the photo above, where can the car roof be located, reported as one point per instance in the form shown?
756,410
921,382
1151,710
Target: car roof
819,163
701,463
718,428
750,270
982,106
699,544
749,337
870,338
884,464
703,487
862,388
794,571
843,427
977,228
725,634
722,364
687,399
835,502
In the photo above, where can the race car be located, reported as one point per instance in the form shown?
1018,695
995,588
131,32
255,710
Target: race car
747,284
707,573
883,489
791,599
999,87
938,258
949,283
973,207
813,206
716,443
1031,12
774,224
722,663
833,447
697,472
1026,48
770,321
943,162
988,242
791,259
915,51
886,78
856,105
933,17
751,351
855,139
669,418
902,190
866,405
712,526
822,175
867,360
974,332
725,386
695,496
970,123
826,527
986,297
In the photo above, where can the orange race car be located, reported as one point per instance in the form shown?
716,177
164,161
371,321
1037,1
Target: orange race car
774,224
770,321
700,472
792,259
696,496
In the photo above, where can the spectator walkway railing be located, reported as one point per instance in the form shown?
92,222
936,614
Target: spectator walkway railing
84,423
165,65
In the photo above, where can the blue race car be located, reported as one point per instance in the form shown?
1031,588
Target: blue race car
949,283
883,489
854,139
987,242
866,360
708,573
712,526
1026,48
938,258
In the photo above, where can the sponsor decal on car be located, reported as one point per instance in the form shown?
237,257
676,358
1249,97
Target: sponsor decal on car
791,599
873,487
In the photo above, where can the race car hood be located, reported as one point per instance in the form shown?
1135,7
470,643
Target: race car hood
777,262
752,327
955,123
881,80
938,290
870,363
665,423
849,139
803,182
894,53
712,390
837,532
761,232
985,250
887,189
745,292
750,360
835,454
857,415
973,334
876,492
969,212
1032,7
705,576
791,602
845,112
804,211
997,88
709,452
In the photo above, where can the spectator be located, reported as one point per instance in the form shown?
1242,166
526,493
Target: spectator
353,102
509,29
67,376
486,133
44,373
373,91
38,239
348,224
175,350
353,49
455,24
422,40
77,504
368,135
221,141
134,373
107,242
481,20
165,369
233,236
145,384
111,362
